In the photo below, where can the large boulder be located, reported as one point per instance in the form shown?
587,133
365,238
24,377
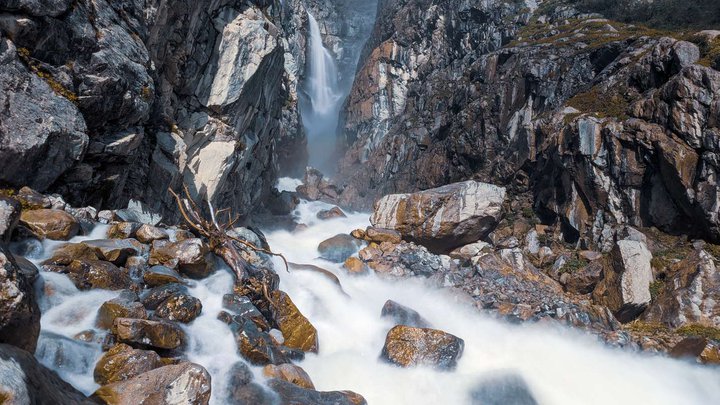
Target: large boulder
185,383
88,274
190,256
442,218
407,346
338,248
23,380
19,312
625,286
50,224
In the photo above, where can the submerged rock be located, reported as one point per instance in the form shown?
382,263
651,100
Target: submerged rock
338,248
442,218
184,383
122,362
50,224
290,393
403,315
408,346
26,381
502,389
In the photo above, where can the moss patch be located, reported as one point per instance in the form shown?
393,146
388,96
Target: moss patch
656,288
602,104
707,332
665,258
573,265
646,328
36,68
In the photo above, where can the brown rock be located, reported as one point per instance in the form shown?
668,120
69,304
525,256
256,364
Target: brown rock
88,274
290,393
184,383
148,233
298,332
380,235
160,275
161,335
699,348
50,224
123,362
355,266
290,373
407,346
123,230
253,344
116,251
358,234
179,307
584,280
152,298
190,256
126,305
334,212
67,253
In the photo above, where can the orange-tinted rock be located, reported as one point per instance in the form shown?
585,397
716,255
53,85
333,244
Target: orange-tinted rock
50,224
407,346
123,362
298,332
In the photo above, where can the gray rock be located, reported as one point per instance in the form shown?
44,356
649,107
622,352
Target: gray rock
9,217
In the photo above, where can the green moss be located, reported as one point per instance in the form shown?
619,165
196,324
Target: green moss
601,103
573,265
707,332
35,67
656,288
647,328
665,258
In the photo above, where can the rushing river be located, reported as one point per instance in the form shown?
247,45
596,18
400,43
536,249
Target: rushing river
560,366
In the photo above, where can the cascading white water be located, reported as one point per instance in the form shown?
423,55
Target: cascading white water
323,75
323,97
560,366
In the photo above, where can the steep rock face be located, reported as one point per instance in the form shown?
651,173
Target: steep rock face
604,123
130,98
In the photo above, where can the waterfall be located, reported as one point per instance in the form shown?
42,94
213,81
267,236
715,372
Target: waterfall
323,97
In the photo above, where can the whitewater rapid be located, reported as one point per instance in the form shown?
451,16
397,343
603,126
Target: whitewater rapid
560,366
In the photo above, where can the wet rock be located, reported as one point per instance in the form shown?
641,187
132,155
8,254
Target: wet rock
407,346
355,266
242,306
152,298
126,305
501,389
334,212
282,203
404,259
299,333
190,256
251,393
69,252
123,230
26,381
689,294
255,345
116,251
184,383
161,335
292,394
50,224
9,217
442,218
403,315
69,355
625,286
338,248
148,233
179,307
290,373
27,268
380,235
122,362
160,275
316,187
88,274
19,312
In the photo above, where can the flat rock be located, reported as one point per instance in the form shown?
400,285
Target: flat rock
50,224
407,346
116,251
442,218
148,233
184,383
160,275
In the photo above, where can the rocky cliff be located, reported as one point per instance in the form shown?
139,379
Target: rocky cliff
107,102
601,122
